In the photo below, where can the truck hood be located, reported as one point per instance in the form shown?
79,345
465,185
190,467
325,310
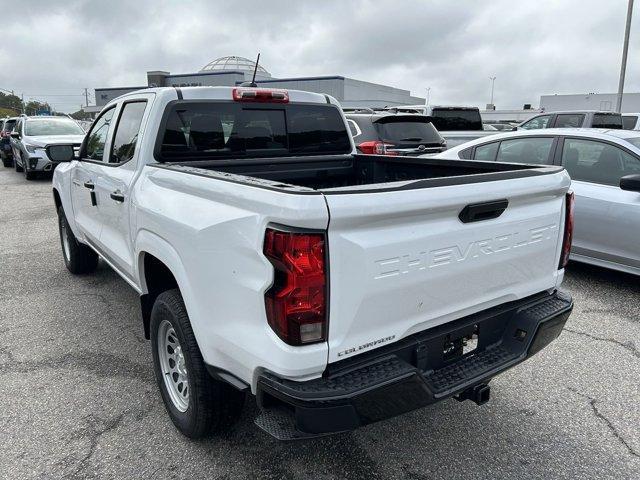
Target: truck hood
41,141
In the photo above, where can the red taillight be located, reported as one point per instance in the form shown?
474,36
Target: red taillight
258,95
296,302
376,148
568,230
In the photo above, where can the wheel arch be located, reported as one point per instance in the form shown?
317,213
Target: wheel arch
159,269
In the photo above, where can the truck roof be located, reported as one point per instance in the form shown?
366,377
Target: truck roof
226,93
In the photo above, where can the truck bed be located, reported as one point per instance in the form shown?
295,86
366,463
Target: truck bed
357,172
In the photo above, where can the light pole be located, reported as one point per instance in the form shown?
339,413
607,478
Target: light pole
428,95
625,49
493,81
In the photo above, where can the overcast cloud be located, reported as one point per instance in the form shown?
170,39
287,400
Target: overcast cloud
533,47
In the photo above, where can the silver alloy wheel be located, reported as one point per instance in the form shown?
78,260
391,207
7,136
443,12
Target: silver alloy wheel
66,249
173,366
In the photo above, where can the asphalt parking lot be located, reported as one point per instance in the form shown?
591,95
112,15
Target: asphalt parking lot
79,399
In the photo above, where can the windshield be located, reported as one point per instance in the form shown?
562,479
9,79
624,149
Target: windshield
451,119
409,132
8,125
209,130
607,120
52,126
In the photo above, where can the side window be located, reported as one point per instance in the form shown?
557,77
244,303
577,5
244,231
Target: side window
597,162
629,122
98,136
537,122
525,150
127,129
569,120
353,128
487,152
466,153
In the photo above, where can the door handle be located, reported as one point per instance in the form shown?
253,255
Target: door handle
89,185
118,196
483,211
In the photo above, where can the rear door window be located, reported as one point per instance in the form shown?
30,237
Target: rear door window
607,120
126,134
486,152
536,122
569,120
629,122
525,150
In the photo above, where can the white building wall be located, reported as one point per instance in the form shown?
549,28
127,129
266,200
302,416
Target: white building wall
590,101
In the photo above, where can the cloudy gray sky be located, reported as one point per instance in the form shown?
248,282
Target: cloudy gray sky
54,49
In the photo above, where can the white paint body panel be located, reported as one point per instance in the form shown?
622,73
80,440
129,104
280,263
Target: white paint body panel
209,232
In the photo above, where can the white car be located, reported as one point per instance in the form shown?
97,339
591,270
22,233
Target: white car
605,169
31,136
270,258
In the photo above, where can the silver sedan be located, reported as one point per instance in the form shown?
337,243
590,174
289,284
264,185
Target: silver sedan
605,169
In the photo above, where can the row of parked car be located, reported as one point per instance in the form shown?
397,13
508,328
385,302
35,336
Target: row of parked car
23,140
602,158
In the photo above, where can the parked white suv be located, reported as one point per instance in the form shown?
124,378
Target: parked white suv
339,288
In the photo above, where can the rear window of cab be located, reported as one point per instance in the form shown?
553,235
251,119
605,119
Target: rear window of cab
219,130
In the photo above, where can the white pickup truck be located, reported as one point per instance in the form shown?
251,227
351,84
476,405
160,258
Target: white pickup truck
338,288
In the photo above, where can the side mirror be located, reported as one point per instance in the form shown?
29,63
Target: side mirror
514,129
15,134
61,153
630,183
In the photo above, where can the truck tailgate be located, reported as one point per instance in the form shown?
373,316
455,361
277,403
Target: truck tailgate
403,261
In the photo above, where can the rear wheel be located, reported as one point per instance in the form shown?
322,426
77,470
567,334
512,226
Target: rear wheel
78,258
7,162
196,403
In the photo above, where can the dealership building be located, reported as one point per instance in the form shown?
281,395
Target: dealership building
232,71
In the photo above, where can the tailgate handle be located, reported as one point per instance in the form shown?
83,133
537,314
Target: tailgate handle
483,211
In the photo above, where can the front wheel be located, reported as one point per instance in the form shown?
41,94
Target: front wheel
196,403
78,258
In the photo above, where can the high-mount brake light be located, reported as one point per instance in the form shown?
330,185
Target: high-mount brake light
260,95
376,148
296,303
568,230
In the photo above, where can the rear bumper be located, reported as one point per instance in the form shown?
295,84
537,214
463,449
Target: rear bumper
412,373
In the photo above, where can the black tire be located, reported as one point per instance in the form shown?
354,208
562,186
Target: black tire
78,258
213,406
7,162
15,164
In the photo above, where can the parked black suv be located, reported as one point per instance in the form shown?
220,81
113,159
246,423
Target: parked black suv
6,153
390,133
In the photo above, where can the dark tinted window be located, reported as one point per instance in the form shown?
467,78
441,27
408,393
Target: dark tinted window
597,162
126,135
486,152
8,125
525,150
536,122
629,122
98,136
408,131
230,130
607,120
569,120
445,119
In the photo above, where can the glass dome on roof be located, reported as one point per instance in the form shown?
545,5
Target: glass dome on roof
234,63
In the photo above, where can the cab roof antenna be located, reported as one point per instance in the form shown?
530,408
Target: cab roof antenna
255,70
